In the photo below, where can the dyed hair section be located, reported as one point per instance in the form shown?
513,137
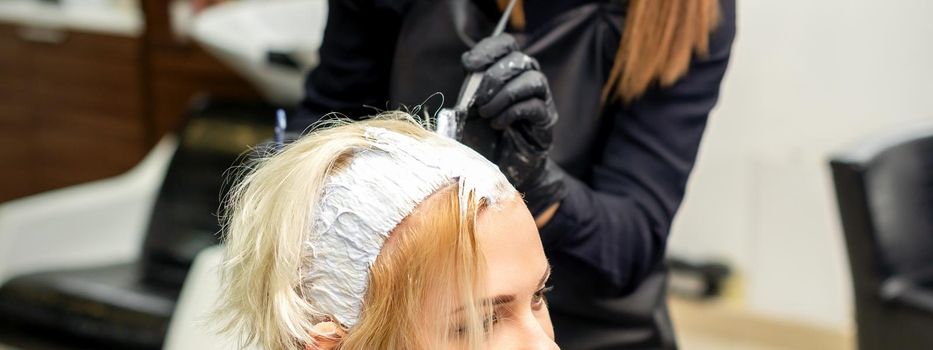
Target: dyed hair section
429,266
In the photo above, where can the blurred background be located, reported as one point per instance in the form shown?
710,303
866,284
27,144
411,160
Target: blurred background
119,117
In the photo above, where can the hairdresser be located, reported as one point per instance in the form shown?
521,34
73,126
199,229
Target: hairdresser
594,109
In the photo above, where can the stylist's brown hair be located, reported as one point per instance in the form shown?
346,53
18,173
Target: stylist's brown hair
659,39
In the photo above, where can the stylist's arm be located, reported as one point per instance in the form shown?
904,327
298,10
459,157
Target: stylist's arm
617,220
515,98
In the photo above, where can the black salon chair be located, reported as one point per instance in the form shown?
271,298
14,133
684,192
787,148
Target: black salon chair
130,305
885,191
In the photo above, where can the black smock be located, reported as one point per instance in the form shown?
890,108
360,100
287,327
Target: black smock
628,163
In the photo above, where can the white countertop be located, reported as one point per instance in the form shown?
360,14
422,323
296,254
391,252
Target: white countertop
116,17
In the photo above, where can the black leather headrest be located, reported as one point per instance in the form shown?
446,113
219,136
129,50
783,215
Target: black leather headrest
185,220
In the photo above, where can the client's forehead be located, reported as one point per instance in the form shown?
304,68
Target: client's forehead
512,249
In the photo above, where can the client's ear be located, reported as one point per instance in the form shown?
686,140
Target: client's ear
325,336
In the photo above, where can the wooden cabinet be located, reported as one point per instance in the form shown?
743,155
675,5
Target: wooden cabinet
71,108
79,106
17,125
178,70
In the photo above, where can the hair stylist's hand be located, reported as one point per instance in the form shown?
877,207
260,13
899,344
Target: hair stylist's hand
514,97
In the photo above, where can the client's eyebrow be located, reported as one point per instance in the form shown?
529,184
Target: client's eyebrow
499,300
508,298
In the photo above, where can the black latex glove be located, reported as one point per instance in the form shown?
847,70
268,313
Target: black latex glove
514,97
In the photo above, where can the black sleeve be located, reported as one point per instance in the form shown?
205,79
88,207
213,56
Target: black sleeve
619,221
355,60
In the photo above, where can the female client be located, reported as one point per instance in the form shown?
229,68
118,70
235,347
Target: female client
380,235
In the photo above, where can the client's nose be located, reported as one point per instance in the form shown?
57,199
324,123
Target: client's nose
537,334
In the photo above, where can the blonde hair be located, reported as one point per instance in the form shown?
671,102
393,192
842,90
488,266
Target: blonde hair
268,216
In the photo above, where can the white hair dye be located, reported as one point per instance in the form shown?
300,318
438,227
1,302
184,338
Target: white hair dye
361,204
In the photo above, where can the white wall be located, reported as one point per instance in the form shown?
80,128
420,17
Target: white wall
806,78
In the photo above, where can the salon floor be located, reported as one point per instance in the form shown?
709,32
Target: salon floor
718,325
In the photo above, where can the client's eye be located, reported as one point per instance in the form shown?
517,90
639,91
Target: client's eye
490,321
538,299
